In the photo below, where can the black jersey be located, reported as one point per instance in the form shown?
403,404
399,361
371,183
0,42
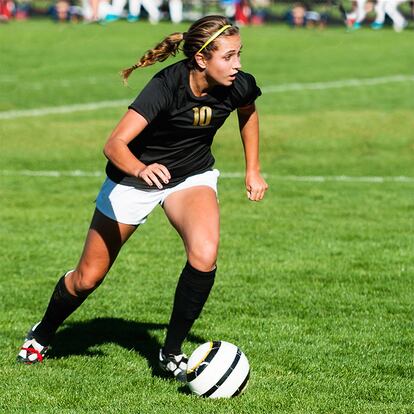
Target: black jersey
181,126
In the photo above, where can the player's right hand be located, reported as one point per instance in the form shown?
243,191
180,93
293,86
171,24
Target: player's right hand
155,174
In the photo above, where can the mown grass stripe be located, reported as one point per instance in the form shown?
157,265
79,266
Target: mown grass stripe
344,83
91,106
227,175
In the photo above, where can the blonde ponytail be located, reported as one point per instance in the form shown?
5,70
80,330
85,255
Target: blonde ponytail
170,46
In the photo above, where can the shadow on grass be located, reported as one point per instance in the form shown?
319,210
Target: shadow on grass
84,338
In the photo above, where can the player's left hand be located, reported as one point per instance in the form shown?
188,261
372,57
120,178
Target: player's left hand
255,186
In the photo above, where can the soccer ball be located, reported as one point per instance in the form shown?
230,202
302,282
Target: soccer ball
218,369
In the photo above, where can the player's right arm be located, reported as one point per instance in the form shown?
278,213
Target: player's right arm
117,151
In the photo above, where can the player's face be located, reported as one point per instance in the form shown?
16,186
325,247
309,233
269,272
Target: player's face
224,64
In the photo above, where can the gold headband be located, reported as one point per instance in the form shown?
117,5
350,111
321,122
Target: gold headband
215,35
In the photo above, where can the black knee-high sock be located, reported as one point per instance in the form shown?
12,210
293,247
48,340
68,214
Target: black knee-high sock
191,294
61,305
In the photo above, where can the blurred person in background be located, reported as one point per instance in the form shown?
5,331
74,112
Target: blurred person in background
61,11
389,7
64,11
302,15
134,7
357,16
314,19
176,10
6,10
243,12
296,17
94,11
229,7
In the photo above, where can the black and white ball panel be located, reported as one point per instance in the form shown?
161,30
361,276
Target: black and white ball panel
217,369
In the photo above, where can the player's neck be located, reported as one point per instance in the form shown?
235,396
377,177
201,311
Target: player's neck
198,83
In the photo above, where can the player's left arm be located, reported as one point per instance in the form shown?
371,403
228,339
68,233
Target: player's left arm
249,131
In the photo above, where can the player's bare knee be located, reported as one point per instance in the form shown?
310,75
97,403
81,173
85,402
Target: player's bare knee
86,282
204,257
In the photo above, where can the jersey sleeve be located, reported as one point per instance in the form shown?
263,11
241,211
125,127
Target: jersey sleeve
152,100
245,90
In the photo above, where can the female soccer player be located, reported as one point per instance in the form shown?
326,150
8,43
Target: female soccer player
160,153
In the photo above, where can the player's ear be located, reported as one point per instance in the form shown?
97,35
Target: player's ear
200,60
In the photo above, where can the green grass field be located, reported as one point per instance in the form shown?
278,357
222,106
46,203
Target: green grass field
315,283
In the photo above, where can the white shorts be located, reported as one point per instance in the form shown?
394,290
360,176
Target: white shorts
128,205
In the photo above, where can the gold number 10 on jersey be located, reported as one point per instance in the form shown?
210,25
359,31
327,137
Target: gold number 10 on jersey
202,116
